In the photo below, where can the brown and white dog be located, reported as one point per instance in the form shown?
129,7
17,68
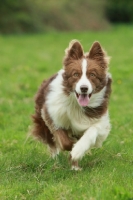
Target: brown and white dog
71,111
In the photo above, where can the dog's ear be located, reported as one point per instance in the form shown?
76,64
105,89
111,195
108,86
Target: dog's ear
75,50
97,53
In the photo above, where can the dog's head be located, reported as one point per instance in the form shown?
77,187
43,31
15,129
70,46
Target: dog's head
85,74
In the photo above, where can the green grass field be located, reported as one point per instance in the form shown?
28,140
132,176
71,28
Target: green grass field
26,170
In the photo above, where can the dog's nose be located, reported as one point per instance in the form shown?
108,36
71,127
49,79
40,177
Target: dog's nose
84,88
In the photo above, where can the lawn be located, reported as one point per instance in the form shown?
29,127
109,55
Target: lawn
26,170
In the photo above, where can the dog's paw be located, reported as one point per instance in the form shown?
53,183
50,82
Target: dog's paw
76,168
77,152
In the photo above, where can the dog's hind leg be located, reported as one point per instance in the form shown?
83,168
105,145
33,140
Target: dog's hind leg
63,141
41,132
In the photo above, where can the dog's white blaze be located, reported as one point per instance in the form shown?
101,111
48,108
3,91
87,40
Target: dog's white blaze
84,80
84,67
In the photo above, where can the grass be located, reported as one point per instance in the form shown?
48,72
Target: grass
26,171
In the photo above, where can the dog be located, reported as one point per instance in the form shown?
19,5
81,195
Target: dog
71,107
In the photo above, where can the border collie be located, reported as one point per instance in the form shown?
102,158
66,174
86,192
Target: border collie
71,107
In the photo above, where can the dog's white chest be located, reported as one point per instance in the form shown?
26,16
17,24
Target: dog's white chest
64,110
66,114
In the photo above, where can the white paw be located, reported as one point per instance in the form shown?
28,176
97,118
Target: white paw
54,152
76,168
77,152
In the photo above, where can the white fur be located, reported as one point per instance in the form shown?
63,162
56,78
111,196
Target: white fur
68,114
97,98
84,80
86,142
93,136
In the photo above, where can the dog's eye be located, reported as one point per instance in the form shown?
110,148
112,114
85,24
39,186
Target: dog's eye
76,74
92,75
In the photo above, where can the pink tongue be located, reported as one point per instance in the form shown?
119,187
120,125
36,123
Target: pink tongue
83,100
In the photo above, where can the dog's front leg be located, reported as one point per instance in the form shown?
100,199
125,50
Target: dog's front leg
84,144
60,136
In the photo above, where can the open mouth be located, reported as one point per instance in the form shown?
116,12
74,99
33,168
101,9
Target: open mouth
83,98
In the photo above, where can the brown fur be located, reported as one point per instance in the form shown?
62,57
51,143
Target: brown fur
40,130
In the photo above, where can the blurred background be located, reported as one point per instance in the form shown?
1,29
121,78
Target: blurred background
28,16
